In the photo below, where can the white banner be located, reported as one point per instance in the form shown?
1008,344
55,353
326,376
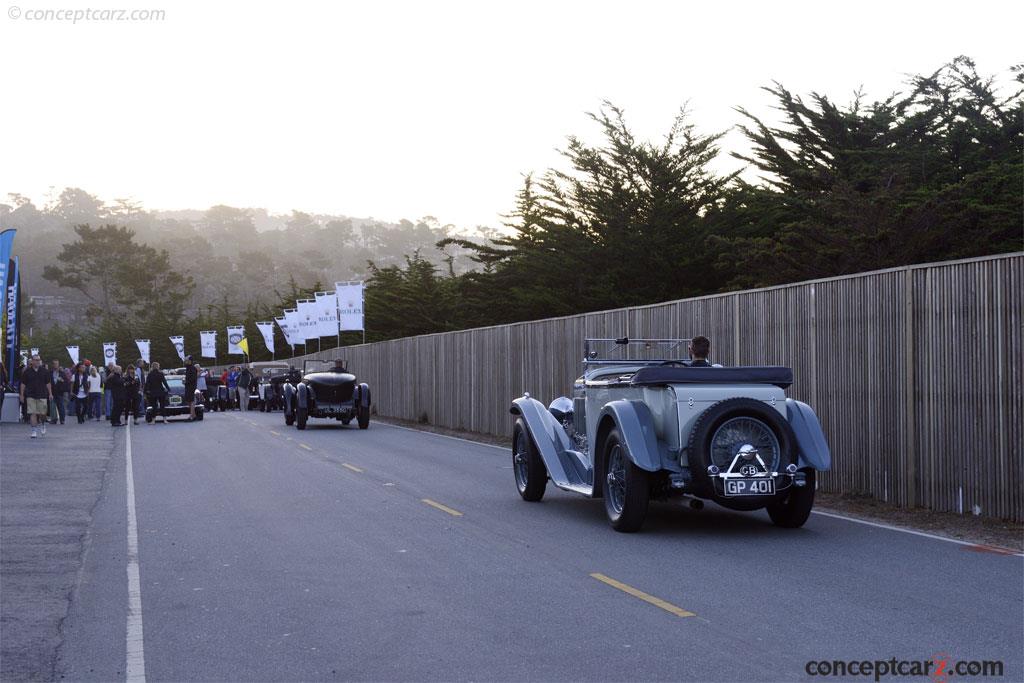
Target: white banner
292,314
326,314
235,334
350,305
35,351
308,325
109,353
267,330
282,322
73,352
179,345
208,342
143,345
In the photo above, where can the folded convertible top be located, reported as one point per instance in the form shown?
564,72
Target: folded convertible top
780,376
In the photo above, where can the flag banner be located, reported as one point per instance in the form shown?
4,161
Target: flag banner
326,314
179,346
282,322
350,305
109,353
35,351
208,342
308,326
267,330
12,339
73,352
292,314
143,345
6,246
235,334
243,344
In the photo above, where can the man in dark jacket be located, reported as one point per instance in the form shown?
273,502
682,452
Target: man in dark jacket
157,391
59,382
115,385
191,380
35,390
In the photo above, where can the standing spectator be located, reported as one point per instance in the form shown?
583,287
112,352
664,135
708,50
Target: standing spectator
157,390
95,393
107,397
80,391
191,381
115,388
60,384
232,386
140,374
201,375
132,392
34,392
244,381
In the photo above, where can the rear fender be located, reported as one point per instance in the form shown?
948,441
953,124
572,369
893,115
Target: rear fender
547,434
636,426
810,439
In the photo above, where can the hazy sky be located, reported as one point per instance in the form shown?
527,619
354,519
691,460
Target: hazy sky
406,109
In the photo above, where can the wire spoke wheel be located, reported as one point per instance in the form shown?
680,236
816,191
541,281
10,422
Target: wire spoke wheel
616,479
750,438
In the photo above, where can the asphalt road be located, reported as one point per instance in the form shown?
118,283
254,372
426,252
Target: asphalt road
265,553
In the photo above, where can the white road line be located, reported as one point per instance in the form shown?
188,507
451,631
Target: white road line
445,436
135,666
905,531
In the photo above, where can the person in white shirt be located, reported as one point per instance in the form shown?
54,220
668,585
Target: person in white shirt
95,393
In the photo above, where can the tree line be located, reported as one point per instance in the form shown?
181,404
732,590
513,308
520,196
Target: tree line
931,174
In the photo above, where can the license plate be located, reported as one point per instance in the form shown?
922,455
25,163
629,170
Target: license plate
761,486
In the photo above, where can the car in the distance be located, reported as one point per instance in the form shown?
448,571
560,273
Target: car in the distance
327,390
177,406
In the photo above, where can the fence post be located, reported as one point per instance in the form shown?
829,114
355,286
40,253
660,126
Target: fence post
909,453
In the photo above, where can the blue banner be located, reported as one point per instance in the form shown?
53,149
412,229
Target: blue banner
6,247
12,342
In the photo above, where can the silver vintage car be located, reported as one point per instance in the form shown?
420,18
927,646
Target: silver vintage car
643,424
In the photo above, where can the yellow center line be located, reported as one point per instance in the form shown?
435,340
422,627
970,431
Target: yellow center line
275,433
445,508
351,467
302,445
646,597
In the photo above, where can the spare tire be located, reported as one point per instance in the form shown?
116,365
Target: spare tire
729,427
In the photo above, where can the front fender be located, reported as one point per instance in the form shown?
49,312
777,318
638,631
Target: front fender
364,395
302,396
549,436
636,426
289,399
810,438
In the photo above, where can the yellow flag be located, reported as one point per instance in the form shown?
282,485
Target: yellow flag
244,345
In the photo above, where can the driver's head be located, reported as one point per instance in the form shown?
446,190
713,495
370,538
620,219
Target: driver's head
339,364
700,348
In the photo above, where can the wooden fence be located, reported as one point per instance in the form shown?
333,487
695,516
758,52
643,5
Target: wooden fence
914,372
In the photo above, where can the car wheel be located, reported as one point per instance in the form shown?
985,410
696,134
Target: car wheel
301,416
793,510
149,417
289,419
345,420
531,474
363,416
627,488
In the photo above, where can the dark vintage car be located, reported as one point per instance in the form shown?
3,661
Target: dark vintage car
328,390
176,403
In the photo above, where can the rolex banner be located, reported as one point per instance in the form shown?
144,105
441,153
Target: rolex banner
208,343
326,314
350,305
308,325
235,335
292,314
73,352
143,345
267,330
282,322
34,351
179,346
109,353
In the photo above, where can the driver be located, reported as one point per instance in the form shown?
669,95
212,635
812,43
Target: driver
700,349
339,365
